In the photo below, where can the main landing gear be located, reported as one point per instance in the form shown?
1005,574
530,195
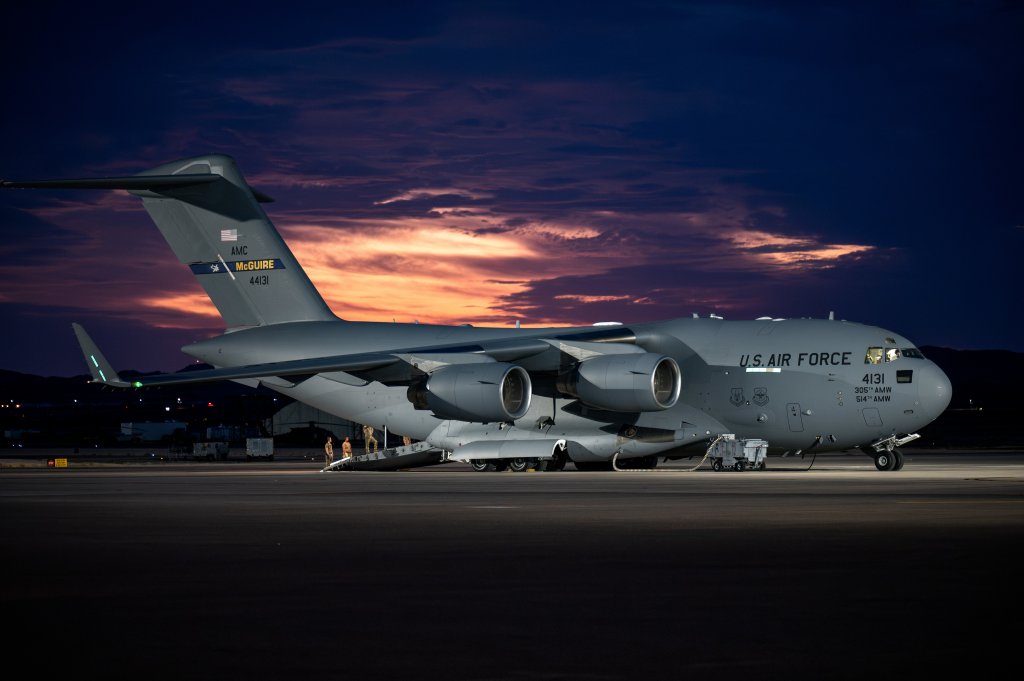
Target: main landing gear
488,465
521,465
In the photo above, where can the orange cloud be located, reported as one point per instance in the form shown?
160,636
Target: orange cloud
185,306
414,269
790,252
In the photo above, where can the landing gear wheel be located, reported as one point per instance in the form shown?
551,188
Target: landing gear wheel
885,461
520,465
740,466
593,466
898,456
481,466
716,465
558,462
642,463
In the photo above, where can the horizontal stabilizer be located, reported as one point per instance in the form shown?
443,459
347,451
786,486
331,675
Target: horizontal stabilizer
154,183
99,367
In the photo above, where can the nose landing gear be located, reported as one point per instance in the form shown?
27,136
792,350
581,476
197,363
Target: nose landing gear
887,457
889,460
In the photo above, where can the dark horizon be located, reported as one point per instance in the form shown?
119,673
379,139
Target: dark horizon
532,163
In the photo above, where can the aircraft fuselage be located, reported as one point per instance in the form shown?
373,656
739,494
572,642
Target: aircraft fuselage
800,384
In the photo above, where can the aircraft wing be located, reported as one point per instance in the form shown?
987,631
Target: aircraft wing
415,361
292,368
539,354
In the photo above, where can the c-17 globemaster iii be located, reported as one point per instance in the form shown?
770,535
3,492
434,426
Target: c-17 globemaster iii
602,396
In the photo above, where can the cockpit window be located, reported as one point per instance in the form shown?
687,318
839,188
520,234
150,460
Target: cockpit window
878,355
873,356
912,352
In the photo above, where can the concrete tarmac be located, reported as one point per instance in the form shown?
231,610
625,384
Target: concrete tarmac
274,570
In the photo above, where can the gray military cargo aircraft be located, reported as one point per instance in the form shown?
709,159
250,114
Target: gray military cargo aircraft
602,397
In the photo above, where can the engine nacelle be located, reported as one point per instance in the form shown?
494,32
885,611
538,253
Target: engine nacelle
480,393
628,383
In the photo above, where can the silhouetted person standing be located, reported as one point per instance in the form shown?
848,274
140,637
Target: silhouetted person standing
368,436
328,451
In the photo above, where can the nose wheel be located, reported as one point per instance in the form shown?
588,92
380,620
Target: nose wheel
889,460
885,454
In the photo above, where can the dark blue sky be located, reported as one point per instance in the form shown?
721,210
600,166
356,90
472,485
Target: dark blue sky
543,162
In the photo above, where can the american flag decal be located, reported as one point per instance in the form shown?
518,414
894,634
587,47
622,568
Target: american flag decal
229,235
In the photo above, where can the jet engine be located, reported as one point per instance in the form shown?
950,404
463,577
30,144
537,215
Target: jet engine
480,393
627,383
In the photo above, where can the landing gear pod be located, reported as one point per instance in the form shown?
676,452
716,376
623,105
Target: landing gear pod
626,383
480,393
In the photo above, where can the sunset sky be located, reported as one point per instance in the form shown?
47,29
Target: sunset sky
548,163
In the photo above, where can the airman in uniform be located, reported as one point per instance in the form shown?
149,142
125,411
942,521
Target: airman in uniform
328,451
368,437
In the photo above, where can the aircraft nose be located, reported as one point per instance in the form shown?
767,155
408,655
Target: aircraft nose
934,389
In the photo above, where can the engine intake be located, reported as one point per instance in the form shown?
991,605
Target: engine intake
479,393
626,383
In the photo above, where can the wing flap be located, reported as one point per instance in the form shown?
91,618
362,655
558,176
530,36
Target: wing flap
299,367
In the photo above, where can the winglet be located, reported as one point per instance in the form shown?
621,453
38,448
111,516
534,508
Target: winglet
99,367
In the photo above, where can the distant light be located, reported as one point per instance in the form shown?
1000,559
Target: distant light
209,404
137,384
167,408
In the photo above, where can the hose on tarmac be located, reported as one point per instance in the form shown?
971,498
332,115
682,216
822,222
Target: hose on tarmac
707,453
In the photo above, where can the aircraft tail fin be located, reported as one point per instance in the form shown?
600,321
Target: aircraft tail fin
99,367
212,220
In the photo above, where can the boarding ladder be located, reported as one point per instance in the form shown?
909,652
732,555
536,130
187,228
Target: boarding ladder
391,459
